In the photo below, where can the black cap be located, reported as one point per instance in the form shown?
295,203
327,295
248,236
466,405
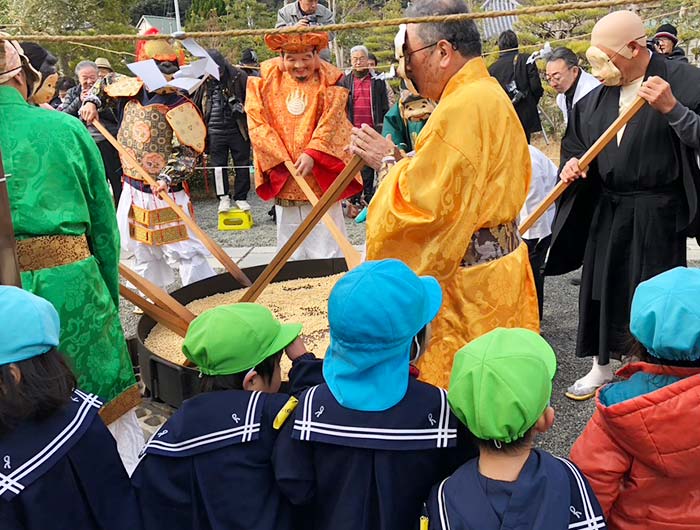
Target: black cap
669,31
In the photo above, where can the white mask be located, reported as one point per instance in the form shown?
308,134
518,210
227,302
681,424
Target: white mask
603,68
399,42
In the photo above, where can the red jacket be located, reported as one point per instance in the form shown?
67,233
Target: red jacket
642,455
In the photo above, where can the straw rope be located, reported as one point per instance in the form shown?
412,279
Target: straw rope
568,6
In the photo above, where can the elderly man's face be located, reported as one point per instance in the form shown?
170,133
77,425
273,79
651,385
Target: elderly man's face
308,6
299,65
665,45
560,75
87,77
359,63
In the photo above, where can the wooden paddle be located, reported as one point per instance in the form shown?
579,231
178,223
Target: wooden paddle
159,296
9,264
332,194
352,256
167,319
584,162
208,242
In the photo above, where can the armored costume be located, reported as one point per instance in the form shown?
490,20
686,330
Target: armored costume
164,131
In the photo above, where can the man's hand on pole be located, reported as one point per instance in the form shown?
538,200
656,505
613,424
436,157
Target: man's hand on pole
304,165
371,146
658,94
572,171
88,112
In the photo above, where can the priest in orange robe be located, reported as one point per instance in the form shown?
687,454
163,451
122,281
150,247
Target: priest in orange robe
296,114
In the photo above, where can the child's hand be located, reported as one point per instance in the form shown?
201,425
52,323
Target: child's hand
296,349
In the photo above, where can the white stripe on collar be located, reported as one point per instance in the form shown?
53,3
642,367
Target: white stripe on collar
442,433
12,482
442,506
591,522
245,431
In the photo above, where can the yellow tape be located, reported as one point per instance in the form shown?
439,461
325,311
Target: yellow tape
284,413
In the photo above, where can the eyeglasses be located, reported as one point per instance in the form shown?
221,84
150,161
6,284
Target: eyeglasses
407,56
557,76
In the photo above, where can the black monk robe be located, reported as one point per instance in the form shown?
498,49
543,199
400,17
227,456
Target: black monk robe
629,220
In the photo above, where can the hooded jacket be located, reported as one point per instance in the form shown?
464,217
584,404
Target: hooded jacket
641,449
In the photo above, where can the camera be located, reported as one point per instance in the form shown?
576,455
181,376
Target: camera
516,95
653,44
311,19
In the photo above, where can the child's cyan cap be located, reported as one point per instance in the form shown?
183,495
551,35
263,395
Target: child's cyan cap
501,383
30,325
234,338
374,312
665,315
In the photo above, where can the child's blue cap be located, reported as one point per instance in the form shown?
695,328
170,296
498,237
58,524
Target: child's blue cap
665,315
30,325
374,312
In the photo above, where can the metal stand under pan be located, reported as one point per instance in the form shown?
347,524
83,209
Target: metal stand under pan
173,383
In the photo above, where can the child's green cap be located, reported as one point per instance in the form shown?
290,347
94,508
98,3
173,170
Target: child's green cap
235,338
501,383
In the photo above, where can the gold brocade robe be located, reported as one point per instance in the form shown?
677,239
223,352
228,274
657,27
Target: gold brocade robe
471,170
286,117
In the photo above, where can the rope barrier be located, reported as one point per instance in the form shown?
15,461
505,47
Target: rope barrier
370,24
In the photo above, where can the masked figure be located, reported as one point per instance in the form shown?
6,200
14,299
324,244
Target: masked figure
297,114
164,131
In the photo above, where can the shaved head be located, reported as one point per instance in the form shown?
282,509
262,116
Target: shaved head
616,30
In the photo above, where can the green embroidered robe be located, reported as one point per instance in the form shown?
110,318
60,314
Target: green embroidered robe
56,184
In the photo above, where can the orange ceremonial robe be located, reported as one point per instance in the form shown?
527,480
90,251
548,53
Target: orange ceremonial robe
277,134
471,170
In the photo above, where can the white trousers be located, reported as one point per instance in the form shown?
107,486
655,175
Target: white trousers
156,263
130,440
319,244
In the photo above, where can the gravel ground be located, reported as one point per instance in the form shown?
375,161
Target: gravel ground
558,324
263,233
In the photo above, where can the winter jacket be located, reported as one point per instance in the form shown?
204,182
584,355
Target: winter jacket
380,100
527,79
107,114
641,449
678,55
222,106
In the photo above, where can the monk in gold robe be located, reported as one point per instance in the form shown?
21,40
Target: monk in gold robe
296,114
450,211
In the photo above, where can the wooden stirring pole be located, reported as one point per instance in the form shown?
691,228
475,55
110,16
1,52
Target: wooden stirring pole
208,242
159,296
324,203
352,256
584,162
167,319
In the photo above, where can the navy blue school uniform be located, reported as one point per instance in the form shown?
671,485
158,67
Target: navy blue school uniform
64,473
209,467
369,470
550,493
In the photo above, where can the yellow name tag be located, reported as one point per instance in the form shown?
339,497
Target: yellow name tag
424,521
284,413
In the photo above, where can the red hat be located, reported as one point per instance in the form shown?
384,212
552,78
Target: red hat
296,42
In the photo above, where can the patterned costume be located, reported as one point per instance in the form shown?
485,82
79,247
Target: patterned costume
164,131
286,118
451,211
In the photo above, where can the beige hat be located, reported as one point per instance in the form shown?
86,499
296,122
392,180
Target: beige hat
12,60
101,62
